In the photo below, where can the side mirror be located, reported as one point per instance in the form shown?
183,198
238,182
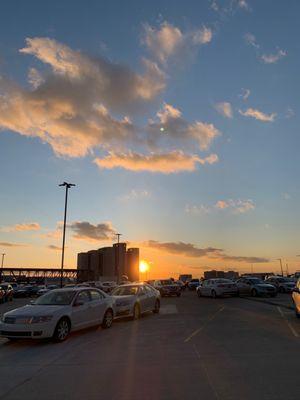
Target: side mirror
78,303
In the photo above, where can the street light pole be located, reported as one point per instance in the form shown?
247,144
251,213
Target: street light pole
117,256
67,186
2,263
281,266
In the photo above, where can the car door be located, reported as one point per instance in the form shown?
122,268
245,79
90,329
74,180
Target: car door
98,306
151,298
82,315
243,287
205,288
143,299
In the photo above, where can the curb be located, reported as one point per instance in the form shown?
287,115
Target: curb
270,302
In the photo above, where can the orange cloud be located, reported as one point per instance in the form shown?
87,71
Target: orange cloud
175,161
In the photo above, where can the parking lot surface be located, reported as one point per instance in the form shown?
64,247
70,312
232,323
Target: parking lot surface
195,348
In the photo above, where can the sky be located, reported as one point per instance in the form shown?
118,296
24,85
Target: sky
178,123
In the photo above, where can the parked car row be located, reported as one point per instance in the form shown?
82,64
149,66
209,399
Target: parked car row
60,311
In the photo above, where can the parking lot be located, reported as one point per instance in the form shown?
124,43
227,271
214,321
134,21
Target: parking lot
195,348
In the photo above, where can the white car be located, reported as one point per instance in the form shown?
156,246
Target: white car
283,284
57,313
135,299
217,287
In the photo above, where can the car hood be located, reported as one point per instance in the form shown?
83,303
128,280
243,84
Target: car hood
34,310
265,285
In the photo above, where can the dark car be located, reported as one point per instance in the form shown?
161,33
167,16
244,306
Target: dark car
167,287
25,291
8,291
194,283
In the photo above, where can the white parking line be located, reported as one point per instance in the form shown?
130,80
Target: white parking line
203,326
168,309
292,329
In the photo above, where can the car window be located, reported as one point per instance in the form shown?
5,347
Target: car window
83,297
142,291
95,295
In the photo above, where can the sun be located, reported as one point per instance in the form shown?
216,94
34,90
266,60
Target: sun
144,266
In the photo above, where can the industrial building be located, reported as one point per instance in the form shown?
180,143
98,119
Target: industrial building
109,264
220,274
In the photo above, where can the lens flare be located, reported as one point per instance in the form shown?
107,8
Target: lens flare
144,266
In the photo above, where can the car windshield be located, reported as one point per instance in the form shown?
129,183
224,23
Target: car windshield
56,298
125,291
255,281
167,282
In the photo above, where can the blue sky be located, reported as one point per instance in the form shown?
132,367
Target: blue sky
216,187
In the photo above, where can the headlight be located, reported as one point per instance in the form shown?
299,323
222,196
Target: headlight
41,319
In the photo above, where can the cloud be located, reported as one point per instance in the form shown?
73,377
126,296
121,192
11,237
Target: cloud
168,40
86,231
286,196
53,247
245,94
190,250
32,226
12,244
171,127
82,104
259,115
243,4
197,209
167,163
237,206
273,58
136,194
251,40
71,107
225,109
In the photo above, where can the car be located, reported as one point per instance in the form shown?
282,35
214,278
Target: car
193,283
217,287
296,298
135,299
25,291
253,286
2,296
283,284
167,287
181,285
8,291
44,289
108,286
57,313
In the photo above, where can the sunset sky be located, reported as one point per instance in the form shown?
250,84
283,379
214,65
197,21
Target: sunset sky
177,121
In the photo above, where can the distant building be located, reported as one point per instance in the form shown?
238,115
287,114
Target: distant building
109,263
220,274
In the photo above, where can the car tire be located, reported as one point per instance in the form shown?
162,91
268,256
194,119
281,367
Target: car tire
156,307
178,294
62,330
199,293
136,312
254,293
107,319
213,294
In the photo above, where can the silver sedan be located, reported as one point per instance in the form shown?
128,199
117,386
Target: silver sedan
135,299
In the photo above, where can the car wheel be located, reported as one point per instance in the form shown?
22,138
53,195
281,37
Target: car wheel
178,294
107,319
156,307
62,330
213,294
136,312
199,293
254,293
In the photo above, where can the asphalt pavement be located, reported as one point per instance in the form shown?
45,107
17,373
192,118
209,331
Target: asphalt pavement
194,349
